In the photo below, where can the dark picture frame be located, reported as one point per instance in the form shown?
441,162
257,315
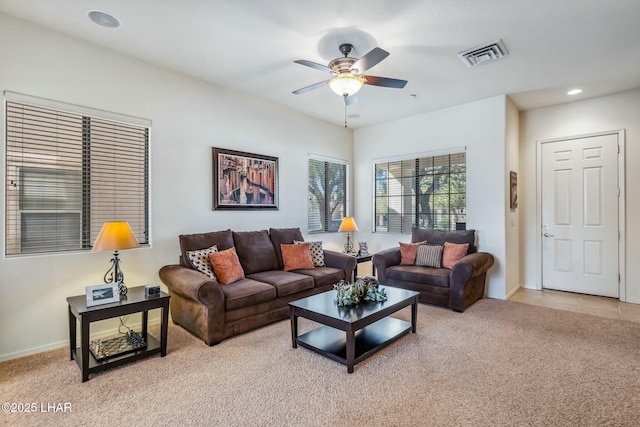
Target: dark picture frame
244,181
513,193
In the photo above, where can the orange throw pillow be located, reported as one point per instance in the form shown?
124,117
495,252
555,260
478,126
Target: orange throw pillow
408,252
296,256
227,266
453,252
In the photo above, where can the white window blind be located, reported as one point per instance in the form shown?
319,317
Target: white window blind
327,195
67,173
426,192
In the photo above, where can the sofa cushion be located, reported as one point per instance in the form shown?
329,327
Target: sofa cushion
246,292
438,237
296,256
193,242
286,236
285,282
226,266
408,252
453,252
200,261
323,276
419,274
317,253
255,251
429,256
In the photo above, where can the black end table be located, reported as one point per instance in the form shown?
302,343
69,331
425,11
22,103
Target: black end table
363,258
135,302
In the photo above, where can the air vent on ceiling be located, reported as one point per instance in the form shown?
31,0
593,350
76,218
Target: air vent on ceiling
483,54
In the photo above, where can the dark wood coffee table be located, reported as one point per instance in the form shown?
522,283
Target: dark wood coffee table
351,334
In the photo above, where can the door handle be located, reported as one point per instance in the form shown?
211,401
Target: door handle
547,235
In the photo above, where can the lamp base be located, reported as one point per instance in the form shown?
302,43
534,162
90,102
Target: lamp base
348,247
114,274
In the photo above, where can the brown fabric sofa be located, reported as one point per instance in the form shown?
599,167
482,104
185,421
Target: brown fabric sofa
457,288
213,312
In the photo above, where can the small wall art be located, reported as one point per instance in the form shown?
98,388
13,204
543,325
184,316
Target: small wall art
513,199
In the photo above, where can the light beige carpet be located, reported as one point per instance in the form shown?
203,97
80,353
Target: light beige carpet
498,364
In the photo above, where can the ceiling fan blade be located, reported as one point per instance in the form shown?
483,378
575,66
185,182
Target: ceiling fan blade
310,88
314,65
370,60
384,82
348,100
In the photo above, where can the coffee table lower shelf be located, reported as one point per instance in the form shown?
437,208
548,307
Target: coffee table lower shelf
332,343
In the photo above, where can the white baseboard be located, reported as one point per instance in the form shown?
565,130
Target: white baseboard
34,350
510,294
65,343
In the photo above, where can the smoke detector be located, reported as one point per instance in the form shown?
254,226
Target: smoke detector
483,54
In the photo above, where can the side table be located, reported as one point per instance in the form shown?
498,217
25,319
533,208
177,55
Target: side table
363,258
135,302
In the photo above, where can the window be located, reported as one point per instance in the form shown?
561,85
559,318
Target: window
68,170
327,195
427,192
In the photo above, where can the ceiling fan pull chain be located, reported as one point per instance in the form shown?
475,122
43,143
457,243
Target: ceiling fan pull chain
345,110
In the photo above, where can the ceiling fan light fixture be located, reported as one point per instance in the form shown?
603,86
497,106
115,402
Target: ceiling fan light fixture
346,84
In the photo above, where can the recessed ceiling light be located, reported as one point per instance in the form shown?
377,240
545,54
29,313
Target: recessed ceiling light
103,19
574,92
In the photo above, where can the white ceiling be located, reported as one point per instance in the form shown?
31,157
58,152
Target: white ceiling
250,46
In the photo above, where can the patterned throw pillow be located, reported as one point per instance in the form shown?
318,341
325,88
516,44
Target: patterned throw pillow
408,252
453,252
200,261
296,256
429,256
317,254
226,266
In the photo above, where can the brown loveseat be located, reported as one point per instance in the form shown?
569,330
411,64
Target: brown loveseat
213,312
457,288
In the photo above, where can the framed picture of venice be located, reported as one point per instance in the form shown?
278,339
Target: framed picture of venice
244,180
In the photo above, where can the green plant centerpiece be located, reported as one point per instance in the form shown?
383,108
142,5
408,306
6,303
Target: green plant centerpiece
365,288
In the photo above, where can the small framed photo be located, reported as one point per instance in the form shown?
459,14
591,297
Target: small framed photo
102,294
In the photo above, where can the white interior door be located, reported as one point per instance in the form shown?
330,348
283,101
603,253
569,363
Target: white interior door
580,215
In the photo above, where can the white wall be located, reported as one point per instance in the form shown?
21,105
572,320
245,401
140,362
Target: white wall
512,224
480,126
608,113
189,117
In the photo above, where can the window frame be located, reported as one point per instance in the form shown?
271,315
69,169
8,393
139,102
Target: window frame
13,245
411,217
326,227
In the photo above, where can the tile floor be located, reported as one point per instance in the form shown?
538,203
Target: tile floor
599,306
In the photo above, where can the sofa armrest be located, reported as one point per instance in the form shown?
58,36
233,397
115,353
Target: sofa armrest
383,259
192,285
471,266
344,262
467,280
